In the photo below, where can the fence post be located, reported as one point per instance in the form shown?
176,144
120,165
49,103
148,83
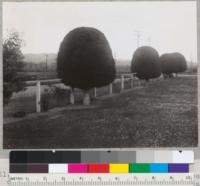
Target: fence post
71,97
138,82
122,82
95,92
86,99
38,97
131,80
110,88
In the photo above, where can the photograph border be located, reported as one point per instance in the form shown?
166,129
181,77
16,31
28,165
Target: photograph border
4,152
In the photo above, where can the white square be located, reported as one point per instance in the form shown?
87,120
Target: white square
58,168
183,156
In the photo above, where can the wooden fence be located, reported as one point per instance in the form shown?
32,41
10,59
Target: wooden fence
120,78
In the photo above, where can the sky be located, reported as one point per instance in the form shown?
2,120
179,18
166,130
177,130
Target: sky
166,26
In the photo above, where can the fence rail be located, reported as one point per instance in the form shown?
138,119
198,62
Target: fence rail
43,82
120,78
38,96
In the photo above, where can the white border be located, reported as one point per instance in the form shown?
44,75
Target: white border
4,153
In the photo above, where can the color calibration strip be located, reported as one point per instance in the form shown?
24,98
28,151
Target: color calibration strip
100,161
100,168
143,156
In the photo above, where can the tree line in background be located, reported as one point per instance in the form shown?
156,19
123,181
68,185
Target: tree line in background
85,61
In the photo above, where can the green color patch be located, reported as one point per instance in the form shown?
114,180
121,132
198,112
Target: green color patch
139,168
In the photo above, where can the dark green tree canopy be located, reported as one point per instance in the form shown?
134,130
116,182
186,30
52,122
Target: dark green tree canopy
85,59
173,63
145,63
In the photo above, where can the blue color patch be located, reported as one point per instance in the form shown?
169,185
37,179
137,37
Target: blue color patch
158,168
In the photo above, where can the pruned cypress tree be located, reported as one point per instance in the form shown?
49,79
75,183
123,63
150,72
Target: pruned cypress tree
85,60
173,63
145,63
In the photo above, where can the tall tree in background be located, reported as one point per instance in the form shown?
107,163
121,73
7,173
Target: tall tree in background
12,63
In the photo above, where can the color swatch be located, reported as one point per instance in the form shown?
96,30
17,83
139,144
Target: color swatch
180,168
78,168
119,168
100,168
139,168
159,168
58,168
142,156
74,162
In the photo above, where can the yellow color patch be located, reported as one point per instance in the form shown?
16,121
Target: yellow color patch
119,168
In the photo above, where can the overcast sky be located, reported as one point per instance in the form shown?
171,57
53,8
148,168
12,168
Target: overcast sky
167,26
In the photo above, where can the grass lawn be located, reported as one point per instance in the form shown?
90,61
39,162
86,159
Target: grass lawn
162,114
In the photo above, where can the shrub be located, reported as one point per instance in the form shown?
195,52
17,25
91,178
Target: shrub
45,100
145,63
173,63
59,94
85,59
53,96
19,114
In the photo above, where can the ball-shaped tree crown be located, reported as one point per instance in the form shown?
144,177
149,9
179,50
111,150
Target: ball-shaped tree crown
85,59
145,63
181,62
173,63
167,63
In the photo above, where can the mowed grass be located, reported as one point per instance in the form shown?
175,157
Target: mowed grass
161,114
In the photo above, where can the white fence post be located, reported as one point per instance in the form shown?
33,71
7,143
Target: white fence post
38,97
110,89
131,80
95,92
71,97
86,99
140,82
122,82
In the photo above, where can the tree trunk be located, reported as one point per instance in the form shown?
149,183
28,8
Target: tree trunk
95,92
110,89
86,99
146,82
72,100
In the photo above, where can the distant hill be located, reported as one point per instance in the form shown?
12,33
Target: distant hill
39,58
37,63
51,58
123,62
